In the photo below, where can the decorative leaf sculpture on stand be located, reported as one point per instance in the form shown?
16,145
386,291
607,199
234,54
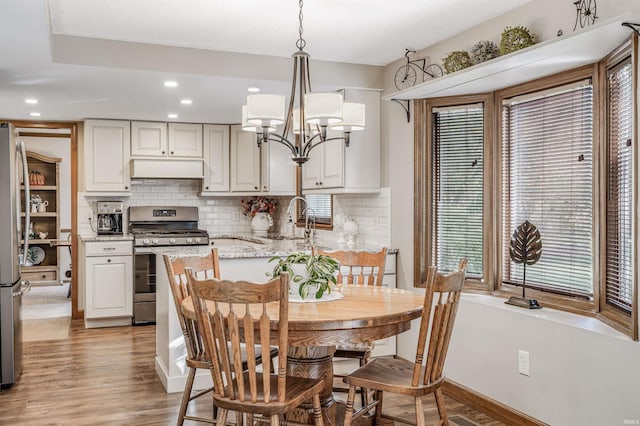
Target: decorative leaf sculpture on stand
525,248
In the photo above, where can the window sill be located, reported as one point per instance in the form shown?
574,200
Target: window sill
567,319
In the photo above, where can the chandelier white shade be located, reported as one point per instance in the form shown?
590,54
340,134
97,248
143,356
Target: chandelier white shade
353,118
265,110
308,114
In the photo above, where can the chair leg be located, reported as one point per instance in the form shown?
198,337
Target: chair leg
442,409
274,420
348,414
364,393
419,412
239,418
317,410
378,417
222,417
186,395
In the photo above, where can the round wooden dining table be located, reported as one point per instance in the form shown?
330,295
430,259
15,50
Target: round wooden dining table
364,314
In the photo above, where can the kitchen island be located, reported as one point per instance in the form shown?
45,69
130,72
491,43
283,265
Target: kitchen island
241,257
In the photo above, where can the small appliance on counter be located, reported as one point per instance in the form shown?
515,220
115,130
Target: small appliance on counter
109,218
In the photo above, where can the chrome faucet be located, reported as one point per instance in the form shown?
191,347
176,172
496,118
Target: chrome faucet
309,225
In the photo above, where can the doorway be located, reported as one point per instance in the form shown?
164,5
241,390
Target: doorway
58,140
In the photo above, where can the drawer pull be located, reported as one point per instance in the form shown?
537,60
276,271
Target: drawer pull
108,248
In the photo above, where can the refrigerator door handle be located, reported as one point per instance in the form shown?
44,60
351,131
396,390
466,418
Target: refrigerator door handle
27,198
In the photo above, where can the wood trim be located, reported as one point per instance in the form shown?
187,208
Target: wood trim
423,140
488,406
44,135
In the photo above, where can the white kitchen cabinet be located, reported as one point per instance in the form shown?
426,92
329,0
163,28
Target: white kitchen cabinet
185,140
173,140
216,158
281,170
107,144
246,162
235,166
148,139
336,169
325,168
108,283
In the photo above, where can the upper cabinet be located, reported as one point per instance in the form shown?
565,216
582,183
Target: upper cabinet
246,162
216,158
185,140
336,169
234,165
153,139
107,145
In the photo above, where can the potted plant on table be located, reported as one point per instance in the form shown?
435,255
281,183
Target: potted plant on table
307,272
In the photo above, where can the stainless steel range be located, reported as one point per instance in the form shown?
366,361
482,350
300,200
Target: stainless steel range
154,227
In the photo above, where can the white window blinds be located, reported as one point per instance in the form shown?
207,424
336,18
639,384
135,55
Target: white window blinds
547,179
320,207
619,249
457,194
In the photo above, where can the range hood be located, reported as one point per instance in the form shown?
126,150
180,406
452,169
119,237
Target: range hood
166,169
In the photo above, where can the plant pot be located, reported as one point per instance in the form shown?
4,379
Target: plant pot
261,223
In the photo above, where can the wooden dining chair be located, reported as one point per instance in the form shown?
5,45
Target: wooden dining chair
231,313
204,267
400,376
362,268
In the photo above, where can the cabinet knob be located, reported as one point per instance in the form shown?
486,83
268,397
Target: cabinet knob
255,187
206,187
109,260
126,187
264,187
320,183
171,152
44,276
164,152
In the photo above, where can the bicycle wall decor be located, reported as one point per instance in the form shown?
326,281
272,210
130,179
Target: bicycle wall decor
408,74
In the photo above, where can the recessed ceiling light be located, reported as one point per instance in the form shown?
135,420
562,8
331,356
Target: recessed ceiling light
253,89
170,83
31,101
34,114
186,101
172,115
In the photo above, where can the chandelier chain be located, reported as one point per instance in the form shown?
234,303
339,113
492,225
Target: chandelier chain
301,43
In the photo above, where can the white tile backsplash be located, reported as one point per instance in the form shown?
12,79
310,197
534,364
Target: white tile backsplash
222,215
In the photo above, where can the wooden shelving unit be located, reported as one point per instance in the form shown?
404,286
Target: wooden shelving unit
46,271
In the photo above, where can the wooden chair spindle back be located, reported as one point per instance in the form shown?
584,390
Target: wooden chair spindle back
359,267
235,312
204,267
442,297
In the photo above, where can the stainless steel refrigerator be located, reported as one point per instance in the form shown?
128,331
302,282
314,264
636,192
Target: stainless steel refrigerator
14,182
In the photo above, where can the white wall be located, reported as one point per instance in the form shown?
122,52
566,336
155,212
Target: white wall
579,377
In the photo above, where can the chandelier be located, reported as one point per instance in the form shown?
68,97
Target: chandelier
308,115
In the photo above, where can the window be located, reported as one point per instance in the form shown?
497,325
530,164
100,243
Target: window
547,162
457,180
558,152
619,242
320,208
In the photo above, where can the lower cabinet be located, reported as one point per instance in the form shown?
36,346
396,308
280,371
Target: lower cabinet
108,278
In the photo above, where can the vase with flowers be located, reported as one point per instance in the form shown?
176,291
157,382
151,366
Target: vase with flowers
260,209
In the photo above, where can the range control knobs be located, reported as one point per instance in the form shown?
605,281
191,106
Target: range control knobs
172,240
154,241
189,240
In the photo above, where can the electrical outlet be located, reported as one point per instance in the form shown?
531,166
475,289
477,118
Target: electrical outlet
523,362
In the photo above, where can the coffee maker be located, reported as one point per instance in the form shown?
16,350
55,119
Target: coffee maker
109,218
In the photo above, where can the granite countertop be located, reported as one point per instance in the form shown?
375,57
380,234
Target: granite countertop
94,238
236,246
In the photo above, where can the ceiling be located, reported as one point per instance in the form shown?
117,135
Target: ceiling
108,59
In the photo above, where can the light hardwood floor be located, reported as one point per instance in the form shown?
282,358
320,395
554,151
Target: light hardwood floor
107,377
